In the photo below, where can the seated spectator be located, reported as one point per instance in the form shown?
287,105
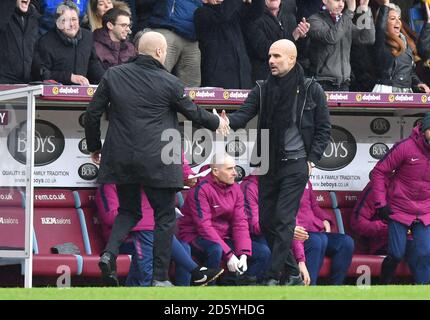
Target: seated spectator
321,242
225,62
215,224
111,43
175,20
140,273
66,54
19,25
331,35
49,8
96,10
405,204
395,54
273,25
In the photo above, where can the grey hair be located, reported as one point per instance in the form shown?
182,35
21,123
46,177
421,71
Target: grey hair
68,4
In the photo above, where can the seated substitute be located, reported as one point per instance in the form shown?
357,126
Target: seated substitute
215,223
320,243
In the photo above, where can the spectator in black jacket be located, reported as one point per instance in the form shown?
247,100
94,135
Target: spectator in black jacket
225,62
66,53
423,47
19,25
273,25
424,40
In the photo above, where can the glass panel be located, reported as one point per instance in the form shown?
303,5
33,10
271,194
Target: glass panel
13,159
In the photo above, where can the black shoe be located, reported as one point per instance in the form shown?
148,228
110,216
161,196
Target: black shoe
165,283
107,265
294,281
246,280
270,282
202,276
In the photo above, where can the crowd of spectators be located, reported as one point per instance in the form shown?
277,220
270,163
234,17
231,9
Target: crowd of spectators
357,45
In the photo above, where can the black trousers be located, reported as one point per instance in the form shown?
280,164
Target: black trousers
279,201
129,214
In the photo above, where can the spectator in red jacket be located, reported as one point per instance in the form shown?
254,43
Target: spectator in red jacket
406,202
111,43
321,242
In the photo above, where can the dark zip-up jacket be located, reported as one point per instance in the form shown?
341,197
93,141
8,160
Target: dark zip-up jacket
313,120
18,35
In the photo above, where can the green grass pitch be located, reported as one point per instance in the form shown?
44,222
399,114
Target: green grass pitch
221,293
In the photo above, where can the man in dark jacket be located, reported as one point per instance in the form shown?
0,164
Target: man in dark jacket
143,101
110,42
225,62
66,53
273,25
294,110
19,27
423,45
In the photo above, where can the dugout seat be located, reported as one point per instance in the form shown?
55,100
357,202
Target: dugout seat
56,221
12,219
85,206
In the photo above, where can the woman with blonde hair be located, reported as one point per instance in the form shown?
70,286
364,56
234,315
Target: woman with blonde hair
97,8
396,54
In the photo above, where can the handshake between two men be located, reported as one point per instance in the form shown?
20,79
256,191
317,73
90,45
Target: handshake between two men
224,123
